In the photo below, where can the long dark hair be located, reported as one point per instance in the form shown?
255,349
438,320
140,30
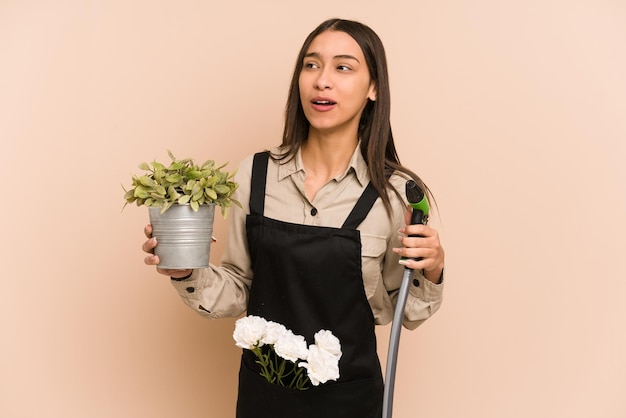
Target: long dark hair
377,146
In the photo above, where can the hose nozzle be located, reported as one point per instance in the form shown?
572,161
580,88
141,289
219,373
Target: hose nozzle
418,201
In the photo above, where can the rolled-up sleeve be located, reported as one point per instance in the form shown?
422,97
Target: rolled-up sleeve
423,301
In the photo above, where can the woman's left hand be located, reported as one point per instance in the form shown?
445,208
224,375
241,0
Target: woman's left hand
423,252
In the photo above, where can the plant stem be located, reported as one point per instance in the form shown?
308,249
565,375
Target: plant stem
273,369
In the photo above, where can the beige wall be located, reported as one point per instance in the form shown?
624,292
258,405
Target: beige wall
513,111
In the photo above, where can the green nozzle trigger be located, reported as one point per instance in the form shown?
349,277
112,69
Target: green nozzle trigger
418,201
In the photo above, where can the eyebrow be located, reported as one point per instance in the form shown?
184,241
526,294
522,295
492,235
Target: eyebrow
341,56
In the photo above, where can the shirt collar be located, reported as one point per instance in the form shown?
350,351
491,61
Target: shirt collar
357,165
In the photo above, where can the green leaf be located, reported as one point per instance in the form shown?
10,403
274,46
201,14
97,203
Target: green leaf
166,206
176,165
147,181
195,197
212,181
210,193
222,189
173,193
144,166
173,178
209,164
194,174
184,199
141,192
194,205
130,194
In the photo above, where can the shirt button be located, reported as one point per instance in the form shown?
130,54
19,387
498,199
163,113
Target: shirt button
313,211
416,283
190,289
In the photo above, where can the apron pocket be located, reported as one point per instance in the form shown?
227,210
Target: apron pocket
259,399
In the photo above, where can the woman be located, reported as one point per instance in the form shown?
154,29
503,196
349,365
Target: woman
316,247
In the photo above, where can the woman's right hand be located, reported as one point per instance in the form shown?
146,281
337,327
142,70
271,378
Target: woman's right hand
153,260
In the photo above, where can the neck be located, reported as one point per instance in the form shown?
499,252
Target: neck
327,154
324,157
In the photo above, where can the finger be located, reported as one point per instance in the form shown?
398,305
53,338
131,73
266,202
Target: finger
416,264
148,246
407,214
410,263
415,253
152,260
429,256
418,229
148,231
419,241
175,273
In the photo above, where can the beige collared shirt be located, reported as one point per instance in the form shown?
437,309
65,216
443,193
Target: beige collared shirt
222,291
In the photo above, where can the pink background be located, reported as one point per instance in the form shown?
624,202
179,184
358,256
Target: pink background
513,112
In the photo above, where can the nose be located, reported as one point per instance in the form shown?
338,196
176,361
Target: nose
323,80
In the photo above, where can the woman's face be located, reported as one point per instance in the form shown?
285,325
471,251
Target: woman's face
334,83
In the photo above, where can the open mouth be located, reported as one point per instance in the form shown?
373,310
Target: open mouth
324,102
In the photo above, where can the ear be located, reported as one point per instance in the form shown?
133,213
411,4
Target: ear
372,93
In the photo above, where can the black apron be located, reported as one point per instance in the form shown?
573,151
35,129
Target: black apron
309,278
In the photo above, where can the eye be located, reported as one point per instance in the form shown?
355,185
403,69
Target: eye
344,68
310,65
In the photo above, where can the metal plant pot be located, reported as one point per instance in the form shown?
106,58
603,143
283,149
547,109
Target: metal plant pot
183,236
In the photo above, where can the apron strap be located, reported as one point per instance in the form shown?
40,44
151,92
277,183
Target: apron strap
257,184
362,207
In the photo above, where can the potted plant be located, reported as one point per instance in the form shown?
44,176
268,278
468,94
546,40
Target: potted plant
181,199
